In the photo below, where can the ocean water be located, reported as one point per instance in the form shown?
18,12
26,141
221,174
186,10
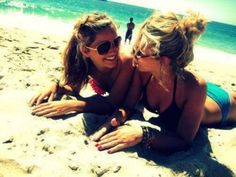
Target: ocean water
218,36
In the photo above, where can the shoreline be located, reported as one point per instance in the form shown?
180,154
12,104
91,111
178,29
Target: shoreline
59,27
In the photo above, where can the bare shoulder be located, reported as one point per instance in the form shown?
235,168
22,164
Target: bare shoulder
126,59
194,83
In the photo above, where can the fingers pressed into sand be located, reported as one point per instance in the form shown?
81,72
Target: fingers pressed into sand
97,135
41,106
105,128
112,134
107,140
33,100
44,112
116,148
52,114
40,99
51,97
42,109
109,144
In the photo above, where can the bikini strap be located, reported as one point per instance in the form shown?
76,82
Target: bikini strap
175,86
149,78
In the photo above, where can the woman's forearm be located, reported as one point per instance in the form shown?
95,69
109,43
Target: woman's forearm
167,142
94,104
66,89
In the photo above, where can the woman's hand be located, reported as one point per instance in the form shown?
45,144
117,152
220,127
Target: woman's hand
121,138
105,128
117,119
49,92
55,108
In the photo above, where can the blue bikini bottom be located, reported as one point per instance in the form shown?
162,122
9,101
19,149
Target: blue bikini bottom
221,97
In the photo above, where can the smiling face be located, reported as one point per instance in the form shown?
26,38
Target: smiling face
108,60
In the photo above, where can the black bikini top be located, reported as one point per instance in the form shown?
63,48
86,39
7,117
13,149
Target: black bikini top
170,117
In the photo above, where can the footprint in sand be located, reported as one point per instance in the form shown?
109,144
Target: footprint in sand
8,140
30,169
45,146
15,168
74,167
49,148
43,131
100,171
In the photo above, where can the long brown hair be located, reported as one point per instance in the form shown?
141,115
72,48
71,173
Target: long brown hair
76,66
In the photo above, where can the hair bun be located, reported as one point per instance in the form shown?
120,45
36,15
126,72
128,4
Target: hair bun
193,25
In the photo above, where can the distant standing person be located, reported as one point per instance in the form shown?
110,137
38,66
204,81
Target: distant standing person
130,27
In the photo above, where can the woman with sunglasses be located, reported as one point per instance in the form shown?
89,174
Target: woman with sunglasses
91,55
182,99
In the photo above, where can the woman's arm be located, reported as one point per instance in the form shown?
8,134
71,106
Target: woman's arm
106,104
61,107
94,104
189,122
126,136
120,115
49,93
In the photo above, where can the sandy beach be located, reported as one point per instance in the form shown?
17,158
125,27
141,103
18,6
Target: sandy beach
37,146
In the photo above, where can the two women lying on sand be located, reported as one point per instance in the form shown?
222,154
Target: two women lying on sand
159,80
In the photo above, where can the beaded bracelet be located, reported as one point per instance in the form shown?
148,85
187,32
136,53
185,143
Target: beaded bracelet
147,137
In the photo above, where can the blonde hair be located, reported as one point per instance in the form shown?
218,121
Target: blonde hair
170,35
76,66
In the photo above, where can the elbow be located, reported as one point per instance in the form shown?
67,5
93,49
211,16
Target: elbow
181,145
186,139
187,143
184,146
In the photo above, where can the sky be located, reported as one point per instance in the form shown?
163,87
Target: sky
216,10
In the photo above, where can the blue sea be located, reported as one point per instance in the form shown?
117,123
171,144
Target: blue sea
218,36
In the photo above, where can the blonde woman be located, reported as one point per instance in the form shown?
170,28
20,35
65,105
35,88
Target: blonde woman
92,54
182,99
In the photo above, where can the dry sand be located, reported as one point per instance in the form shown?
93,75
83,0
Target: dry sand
36,146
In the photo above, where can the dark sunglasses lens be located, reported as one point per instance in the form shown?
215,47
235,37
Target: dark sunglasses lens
139,54
117,41
104,48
